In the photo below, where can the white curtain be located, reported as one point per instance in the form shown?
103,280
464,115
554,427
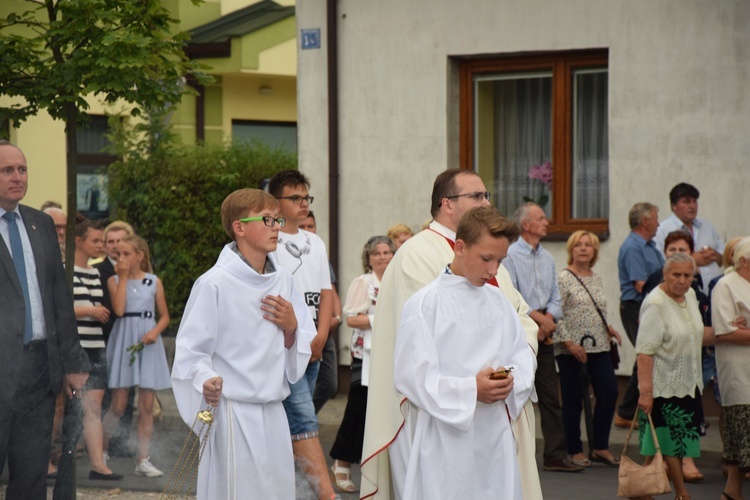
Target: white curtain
523,138
591,146
523,128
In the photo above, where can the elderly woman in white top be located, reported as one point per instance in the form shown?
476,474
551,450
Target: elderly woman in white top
670,336
359,309
730,307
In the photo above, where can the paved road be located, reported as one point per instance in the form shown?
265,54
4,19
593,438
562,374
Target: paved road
598,482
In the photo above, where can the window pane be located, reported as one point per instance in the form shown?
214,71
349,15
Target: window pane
91,136
276,135
514,137
93,201
590,162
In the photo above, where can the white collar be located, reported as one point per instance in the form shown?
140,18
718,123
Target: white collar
442,230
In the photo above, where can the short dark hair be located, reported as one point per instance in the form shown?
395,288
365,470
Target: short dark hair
285,178
311,214
444,187
82,228
679,235
478,220
682,190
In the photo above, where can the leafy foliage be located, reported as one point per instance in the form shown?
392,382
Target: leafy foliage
172,196
56,53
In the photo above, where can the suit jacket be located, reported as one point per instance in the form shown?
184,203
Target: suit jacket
63,346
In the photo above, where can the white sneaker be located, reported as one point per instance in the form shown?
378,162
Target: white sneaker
146,468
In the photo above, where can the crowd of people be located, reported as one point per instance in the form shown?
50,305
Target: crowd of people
64,355
455,332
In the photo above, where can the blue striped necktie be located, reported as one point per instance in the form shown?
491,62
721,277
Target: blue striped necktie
16,249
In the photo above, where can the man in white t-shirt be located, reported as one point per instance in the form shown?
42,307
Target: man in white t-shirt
304,255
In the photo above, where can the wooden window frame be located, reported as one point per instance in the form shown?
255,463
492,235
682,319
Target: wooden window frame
95,163
561,65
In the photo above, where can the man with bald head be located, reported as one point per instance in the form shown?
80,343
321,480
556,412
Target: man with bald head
40,353
60,220
418,262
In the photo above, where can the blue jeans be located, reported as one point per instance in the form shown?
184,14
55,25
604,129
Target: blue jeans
300,411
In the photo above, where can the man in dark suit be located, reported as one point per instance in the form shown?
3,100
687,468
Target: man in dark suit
40,354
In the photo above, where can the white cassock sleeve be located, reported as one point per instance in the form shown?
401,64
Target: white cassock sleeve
195,344
451,400
523,362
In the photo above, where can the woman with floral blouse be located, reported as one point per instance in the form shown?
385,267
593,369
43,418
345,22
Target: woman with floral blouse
582,342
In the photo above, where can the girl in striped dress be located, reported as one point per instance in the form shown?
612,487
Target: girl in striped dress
91,314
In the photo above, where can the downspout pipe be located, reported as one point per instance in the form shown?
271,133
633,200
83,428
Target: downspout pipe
333,133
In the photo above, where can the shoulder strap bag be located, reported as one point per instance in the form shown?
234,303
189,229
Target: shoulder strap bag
613,351
635,480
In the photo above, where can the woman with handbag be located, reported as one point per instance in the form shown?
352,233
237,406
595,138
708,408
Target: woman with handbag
682,242
583,342
670,336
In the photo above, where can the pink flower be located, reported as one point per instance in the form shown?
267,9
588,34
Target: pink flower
542,173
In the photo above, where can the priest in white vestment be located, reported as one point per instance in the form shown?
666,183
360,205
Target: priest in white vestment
245,335
454,333
418,262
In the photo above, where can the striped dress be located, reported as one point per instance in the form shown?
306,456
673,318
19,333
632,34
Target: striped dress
88,291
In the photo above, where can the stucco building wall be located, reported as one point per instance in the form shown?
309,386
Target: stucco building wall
678,104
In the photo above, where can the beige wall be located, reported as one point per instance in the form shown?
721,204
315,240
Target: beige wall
42,140
234,96
679,106
243,100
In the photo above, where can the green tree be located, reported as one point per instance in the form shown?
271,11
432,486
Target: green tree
172,195
55,53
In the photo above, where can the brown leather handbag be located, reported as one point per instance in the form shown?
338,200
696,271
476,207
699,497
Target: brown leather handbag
635,480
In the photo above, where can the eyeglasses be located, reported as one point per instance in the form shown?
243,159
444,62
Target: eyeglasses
476,196
297,199
267,220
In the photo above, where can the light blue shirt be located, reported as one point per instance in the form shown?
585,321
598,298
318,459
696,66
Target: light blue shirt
35,294
704,235
637,260
532,271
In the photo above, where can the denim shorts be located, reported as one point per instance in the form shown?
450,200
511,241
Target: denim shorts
300,411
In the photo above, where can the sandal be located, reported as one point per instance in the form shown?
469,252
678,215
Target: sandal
581,462
692,476
724,494
346,483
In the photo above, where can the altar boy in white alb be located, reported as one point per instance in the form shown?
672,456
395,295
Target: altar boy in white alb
244,337
454,334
